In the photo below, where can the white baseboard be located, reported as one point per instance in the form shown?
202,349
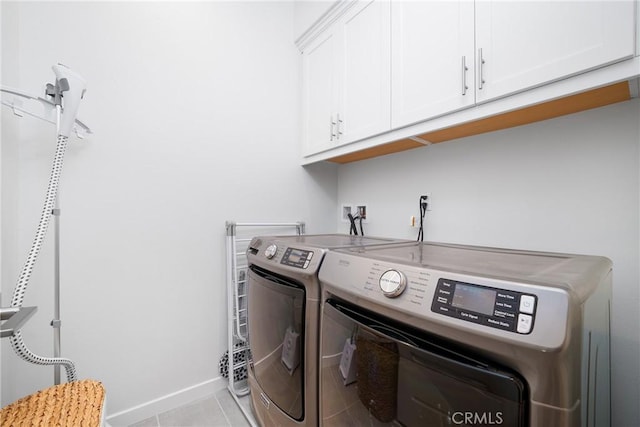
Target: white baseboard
165,403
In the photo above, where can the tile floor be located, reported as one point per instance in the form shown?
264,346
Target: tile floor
219,410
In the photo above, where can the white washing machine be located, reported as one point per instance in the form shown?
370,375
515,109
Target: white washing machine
430,334
283,321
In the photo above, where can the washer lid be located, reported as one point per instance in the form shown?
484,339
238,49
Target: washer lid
567,271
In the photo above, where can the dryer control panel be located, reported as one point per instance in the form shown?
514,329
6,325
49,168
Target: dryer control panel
298,258
277,256
498,308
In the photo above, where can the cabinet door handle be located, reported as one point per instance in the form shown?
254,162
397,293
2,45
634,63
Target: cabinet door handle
464,75
338,125
481,69
332,134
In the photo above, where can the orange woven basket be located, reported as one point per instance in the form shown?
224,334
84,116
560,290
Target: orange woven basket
77,403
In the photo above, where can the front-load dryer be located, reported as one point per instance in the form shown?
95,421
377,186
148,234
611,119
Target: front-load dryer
283,323
445,335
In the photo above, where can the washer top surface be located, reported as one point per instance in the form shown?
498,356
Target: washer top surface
565,269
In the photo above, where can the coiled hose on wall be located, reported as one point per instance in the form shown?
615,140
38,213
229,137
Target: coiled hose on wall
17,342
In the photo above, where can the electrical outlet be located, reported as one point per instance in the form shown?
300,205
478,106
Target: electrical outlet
362,212
429,200
345,210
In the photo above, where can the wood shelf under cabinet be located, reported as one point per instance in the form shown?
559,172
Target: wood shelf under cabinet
594,98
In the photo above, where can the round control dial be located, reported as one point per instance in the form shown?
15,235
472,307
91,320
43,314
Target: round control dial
270,251
392,283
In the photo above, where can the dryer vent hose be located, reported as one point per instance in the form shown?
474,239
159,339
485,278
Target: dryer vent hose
17,342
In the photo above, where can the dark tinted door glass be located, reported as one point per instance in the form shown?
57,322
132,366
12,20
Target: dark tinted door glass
276,337
375,370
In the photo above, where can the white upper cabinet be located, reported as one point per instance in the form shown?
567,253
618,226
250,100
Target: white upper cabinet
365,71
377,72
433,59
346,79
523,44
446,56
320,93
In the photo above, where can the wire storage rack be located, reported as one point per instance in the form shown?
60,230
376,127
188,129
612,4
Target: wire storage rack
239,236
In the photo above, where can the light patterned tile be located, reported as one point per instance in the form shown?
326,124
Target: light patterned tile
219,410
203,413
231,409
149,422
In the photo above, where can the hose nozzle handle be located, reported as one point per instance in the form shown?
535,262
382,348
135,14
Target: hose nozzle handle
72,87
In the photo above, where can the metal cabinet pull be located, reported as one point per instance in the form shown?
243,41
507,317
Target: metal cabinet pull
332,134
338,125
464,75
481,69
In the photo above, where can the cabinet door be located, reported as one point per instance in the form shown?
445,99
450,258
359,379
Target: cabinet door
432,62
522,44
364,64
319,94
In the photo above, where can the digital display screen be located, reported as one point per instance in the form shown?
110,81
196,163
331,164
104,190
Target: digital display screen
474,298
296,258
296,255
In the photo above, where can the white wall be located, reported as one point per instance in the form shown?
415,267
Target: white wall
8,165
570,184
194,106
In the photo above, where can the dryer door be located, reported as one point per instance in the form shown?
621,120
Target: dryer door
276,337
377,370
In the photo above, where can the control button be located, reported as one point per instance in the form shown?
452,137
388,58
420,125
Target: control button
507,306
306,264
443,284
507,296
444,309
524,323
444,292
270,251
527,304
504,314
392,283
472,317
442,300
505,324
